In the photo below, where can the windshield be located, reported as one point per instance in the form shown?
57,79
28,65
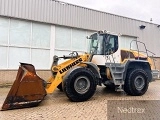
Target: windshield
96,44
103,44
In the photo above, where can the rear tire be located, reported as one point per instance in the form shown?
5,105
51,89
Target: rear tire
136,82
80,85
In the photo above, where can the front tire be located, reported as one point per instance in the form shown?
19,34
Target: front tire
80,85
136,82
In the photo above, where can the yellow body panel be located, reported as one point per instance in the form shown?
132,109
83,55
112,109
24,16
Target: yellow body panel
135,53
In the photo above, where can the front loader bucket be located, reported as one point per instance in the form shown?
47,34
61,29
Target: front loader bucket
27,90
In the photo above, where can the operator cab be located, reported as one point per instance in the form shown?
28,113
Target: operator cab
104,46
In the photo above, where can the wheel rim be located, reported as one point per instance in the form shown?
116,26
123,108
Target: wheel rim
81,84
139,82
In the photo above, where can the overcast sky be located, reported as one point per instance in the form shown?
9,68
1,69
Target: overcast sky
137,9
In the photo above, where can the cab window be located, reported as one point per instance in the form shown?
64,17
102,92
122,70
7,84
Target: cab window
111,44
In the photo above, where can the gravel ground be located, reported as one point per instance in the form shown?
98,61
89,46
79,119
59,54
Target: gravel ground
102,106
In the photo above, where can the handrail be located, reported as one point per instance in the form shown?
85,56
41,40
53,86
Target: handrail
138,47
146,50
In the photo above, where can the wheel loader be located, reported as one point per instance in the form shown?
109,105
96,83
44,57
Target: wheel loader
106,63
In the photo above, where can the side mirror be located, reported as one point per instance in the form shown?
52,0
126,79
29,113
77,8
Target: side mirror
88,37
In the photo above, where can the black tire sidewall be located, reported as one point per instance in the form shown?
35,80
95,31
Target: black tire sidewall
130,87
68,85
60,87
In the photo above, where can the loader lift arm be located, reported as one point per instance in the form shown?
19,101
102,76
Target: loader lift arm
60,70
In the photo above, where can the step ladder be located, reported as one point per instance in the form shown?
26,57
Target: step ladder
117,72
